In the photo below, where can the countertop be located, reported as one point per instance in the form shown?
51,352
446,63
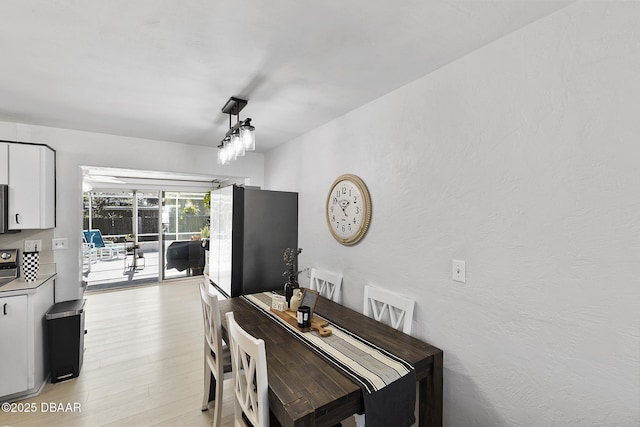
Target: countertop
20,287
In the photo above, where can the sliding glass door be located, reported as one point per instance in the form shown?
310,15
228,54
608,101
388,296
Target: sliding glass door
185,221
146,236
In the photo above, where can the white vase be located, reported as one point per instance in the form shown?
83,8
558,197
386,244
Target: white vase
296,299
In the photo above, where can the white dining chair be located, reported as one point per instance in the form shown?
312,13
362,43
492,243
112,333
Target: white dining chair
217,356
328,284
390,308
251,389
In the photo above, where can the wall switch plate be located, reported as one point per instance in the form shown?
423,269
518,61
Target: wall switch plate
32,245
458,271
59,244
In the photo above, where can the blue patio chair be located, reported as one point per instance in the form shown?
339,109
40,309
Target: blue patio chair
105,250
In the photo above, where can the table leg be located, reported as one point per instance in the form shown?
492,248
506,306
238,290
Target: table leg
430,395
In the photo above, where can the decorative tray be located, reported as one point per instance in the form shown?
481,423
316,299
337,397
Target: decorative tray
316,324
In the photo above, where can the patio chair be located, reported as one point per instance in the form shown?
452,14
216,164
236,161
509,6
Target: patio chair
89,255
104,249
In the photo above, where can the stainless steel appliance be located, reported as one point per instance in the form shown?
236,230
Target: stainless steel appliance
250,229
8,265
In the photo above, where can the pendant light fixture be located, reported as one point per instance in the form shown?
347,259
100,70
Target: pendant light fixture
240,137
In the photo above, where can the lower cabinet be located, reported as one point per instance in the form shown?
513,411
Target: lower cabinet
23,347
14,371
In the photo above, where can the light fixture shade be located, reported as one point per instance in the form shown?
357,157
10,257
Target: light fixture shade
231,150
248,135
222,155
236,142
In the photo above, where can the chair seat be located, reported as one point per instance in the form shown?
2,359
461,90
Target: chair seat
226,358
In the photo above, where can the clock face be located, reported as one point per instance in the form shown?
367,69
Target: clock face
348,209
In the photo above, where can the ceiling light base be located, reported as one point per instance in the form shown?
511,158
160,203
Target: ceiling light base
234,106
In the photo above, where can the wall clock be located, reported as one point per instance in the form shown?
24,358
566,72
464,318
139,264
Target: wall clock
348,209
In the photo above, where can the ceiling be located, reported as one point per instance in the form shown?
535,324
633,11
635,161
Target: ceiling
164,69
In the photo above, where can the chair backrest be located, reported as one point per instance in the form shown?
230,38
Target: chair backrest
388,307
249,367
212,330
327,284
95,237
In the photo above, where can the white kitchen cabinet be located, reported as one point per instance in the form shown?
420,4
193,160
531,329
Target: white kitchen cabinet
4,163
31,186
14,372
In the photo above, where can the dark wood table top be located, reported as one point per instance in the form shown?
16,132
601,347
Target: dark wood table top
304,389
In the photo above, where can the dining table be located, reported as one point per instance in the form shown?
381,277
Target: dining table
307,390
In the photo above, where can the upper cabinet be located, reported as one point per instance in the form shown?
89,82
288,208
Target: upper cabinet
4,163
32,186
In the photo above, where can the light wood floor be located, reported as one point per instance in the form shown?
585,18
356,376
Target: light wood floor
143,364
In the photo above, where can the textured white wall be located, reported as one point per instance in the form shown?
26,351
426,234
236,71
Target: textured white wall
76,148
521,159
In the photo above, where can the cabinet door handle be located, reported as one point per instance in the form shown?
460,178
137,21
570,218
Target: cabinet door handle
17,218
4,308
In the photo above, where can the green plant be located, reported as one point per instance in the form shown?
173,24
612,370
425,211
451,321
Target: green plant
190,210
205,233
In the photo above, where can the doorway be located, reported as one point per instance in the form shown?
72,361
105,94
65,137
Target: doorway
145,218
130,250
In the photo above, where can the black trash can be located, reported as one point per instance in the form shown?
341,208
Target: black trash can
65,325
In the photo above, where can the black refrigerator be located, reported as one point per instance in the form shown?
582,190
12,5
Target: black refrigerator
250,229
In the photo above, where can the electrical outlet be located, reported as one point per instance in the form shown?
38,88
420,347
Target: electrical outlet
59,244
458,271
32,245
